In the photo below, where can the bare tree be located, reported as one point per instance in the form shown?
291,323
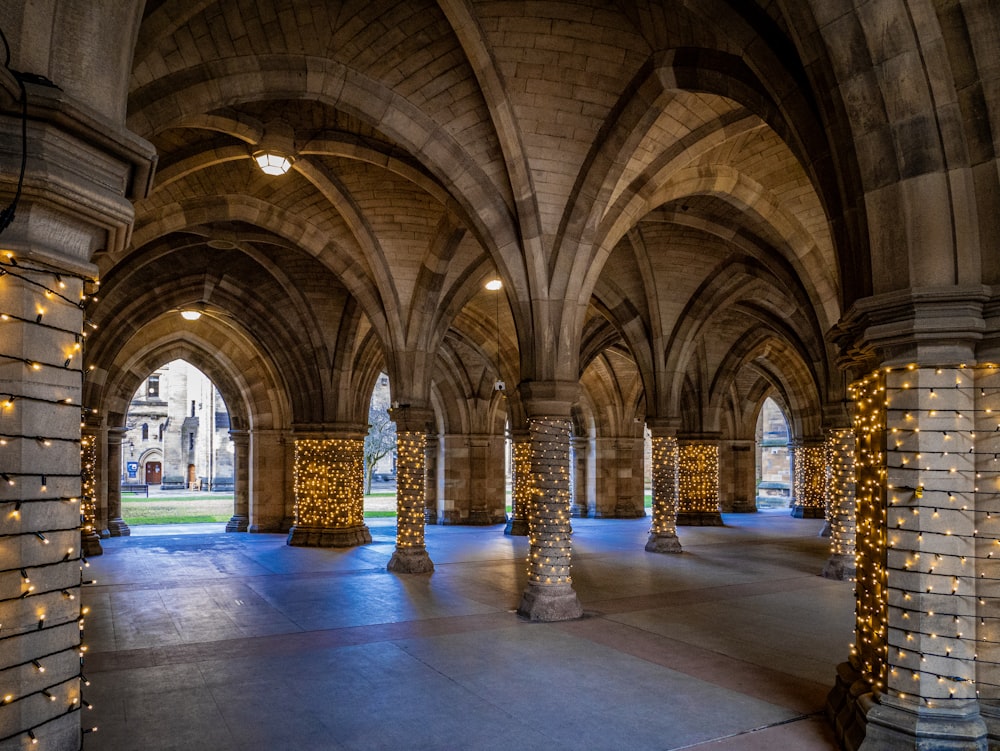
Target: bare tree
381,438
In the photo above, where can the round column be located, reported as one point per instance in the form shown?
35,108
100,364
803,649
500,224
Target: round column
240,521
410,555
520,494
665,453
116,525
549,595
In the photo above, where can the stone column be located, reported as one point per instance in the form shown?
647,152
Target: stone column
698,483
89,538
520,480
810,480
663,532
410,556
549,595
271,478
917,589
840,451
432,462
583,501
116,525
240,521
738,469
329,489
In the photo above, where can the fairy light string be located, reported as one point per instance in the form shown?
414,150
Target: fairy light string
549,526
41,509
932,633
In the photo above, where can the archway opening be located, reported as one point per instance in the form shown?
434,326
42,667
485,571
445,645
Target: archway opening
774,469
177,454
380,453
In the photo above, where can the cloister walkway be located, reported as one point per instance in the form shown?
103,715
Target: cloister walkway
233,642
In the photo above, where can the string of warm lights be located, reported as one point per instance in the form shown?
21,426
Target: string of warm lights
665,454
549,528
410,452
521,493
328,477
698,478
810,480
843,530
42,590
939,535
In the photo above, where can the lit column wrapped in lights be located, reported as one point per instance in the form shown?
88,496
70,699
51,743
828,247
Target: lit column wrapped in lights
810,480
549,595
90,540
410,556
329,493
663,531
521,492
840,453
698,484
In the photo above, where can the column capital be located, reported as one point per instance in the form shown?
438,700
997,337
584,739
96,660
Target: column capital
553,399
412,419
323,431
663,427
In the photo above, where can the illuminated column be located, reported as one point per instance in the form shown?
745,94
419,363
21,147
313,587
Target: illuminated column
917,533
665,454
549,595
810,480
116,525
240,521
41,489
520,491
840,452
410,556
90,540
329,490
698,483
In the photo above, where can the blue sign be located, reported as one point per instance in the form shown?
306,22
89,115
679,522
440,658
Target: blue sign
132,468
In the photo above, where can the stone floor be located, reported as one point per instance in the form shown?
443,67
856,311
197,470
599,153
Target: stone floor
202,640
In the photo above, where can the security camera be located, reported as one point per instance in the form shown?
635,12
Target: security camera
499,386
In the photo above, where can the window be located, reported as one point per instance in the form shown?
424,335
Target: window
153,387
145,431
190,441
192,407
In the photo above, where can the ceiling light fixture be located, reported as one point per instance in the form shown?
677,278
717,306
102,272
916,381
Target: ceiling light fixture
275,150
190,315
494,284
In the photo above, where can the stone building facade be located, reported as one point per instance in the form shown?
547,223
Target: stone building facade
692,206
177,432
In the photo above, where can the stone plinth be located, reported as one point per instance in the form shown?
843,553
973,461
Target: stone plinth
328,537
549,602
410,561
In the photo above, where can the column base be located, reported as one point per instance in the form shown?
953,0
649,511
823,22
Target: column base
847,705
516,527
238,523
118,528
840,567
328,537
550,602
990,710
663,543
956,726
808,512
699,519
90,544
410,561
744,506
827,529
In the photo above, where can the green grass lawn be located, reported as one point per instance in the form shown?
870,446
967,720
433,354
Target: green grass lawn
212,507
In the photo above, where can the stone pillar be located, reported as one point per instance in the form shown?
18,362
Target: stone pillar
89,538
520,480
698,483
549,595
271,479
663,532
329,489
809,479
917,589
116,525
240,521
737,477
40,507
840,451
432,480
583,491
410,556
